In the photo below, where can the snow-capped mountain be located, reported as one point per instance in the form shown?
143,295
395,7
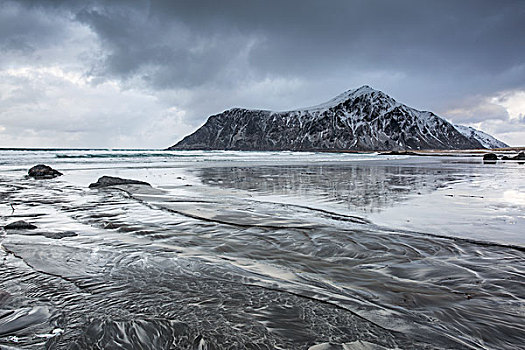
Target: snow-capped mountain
485,139
360,119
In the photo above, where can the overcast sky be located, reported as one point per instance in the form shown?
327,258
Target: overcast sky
146,73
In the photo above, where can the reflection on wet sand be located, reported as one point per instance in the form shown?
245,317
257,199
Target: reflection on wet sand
360,188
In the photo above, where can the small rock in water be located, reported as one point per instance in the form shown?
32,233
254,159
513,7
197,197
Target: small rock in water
519,156
20,225
42,171
490,158
106,181
13,338
4,296
59,235
399,153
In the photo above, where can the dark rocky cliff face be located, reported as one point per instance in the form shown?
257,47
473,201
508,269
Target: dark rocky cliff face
362,120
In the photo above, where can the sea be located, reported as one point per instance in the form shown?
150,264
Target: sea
262,250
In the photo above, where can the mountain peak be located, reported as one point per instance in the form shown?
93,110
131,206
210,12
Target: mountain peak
352,94
364,88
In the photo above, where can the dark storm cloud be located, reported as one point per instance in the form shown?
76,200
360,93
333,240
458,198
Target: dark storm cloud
163,53
190,43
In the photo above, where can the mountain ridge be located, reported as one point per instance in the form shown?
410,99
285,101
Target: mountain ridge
362,119
486,140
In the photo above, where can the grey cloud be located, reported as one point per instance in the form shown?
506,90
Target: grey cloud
187,44
476,109
163,53
23,30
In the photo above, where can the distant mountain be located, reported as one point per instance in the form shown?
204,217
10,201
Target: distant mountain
363,119
485,139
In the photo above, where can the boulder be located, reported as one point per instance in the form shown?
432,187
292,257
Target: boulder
4,296
42,171
519,156
490,158
399,153
20,225
59,235
106,181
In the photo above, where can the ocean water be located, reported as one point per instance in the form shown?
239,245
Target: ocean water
262,250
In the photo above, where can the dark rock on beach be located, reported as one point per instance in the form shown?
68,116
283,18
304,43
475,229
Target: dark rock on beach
59,235
399,153
42,171
20,225
519,156
4,296
490,158
106,181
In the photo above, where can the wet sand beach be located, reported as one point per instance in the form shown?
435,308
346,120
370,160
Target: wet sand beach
262,250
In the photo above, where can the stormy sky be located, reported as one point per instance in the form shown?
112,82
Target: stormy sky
144,74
